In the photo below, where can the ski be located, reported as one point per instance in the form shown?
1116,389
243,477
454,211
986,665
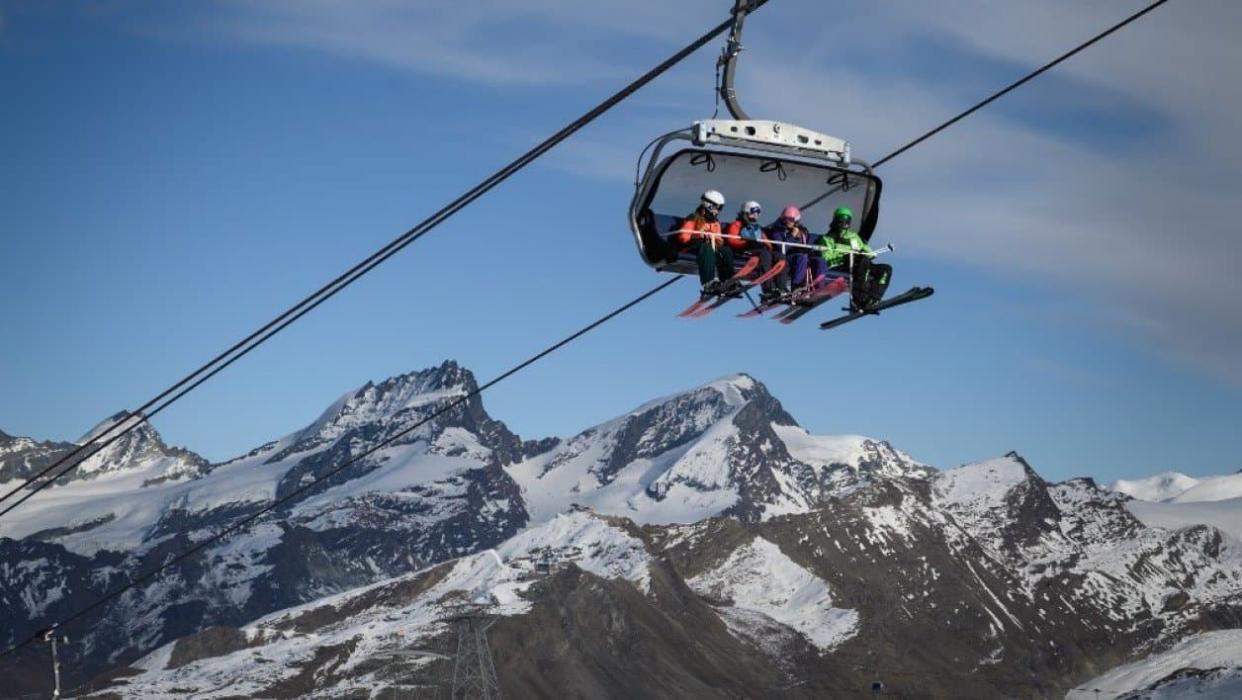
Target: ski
705,299
738,288
819,296
747,267
763,307
914,294
689,310
802,297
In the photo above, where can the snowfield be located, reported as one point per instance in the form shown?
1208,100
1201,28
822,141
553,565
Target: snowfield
1225,516
1176,487
1173,500
763,586
1207,666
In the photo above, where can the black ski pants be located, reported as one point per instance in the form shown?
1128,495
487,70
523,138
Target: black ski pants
768,258
870,279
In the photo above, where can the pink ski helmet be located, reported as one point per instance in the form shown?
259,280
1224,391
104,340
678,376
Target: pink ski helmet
791,213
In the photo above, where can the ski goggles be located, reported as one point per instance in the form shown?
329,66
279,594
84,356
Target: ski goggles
754,210
710,206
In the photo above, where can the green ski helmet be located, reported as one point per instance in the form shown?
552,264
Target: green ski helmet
842,213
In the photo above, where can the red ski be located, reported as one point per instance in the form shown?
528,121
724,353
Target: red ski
764,308
738,288
815,298
706,300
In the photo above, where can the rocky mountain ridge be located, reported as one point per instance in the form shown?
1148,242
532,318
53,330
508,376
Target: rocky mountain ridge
883,562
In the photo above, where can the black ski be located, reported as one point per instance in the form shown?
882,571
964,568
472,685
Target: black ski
914,294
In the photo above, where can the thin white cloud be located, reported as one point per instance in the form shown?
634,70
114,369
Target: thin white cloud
1146,235
494,42
1140,236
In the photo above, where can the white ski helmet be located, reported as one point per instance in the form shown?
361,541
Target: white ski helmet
751,206
714,197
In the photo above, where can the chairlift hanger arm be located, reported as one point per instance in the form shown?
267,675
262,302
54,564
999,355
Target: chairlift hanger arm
728,60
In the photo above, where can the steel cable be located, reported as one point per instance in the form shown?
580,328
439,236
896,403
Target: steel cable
191,381
636,301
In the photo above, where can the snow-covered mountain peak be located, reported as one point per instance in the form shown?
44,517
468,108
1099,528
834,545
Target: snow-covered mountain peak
141,449
1176,487
12,443
737,389
983,484
730,393
1212,488
121,420
724,447
374,403
676,459
846,462
1161,487
437,408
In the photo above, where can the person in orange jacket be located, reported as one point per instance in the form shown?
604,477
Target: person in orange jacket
746,234
701,233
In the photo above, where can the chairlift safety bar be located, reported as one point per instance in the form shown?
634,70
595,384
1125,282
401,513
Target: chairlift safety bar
788,244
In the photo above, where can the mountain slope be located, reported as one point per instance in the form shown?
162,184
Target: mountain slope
904,580
1207,666
433,494
726,550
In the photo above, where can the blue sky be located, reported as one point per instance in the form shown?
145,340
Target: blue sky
174,176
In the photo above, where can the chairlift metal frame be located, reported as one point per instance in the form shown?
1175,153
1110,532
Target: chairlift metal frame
776,141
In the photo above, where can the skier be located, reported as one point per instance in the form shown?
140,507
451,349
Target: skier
789,229
870,280
701,232
745,234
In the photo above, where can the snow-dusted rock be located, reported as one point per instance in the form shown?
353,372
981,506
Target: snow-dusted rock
1206,666
758,580
733,548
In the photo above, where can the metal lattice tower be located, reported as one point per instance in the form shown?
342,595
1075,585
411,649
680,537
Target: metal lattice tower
474,672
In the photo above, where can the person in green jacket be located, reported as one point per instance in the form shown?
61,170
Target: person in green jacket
839,242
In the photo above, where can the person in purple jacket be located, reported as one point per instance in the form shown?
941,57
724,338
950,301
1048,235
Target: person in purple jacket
789,229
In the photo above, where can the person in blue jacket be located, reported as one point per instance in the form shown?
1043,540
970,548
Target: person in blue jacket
746,235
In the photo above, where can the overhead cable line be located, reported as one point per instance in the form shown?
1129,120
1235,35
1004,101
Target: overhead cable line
319,482
191,381
638,300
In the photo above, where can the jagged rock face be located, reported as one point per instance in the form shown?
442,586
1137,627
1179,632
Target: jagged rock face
21,457
139,450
